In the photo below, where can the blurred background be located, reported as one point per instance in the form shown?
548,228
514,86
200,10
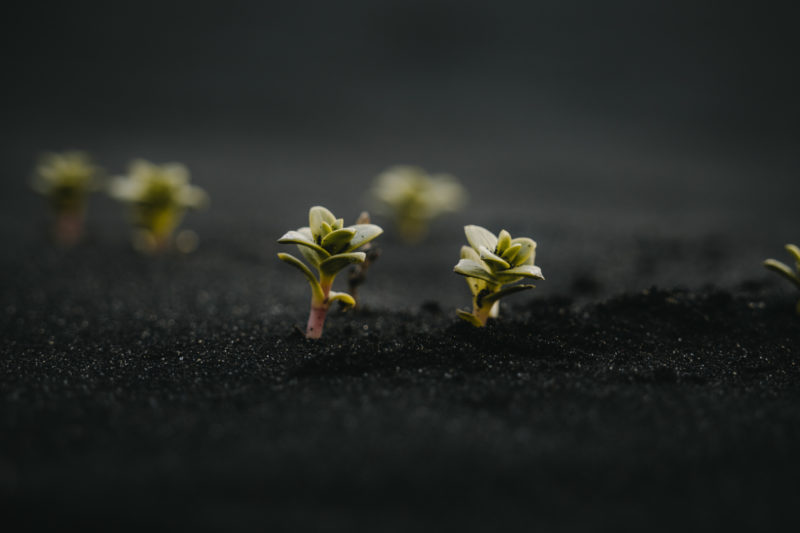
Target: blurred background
639,143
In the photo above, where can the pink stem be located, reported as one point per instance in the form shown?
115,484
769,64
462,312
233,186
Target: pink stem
316,321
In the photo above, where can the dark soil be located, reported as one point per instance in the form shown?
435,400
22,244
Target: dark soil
139,395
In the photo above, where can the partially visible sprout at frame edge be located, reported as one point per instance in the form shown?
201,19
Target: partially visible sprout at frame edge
329,246
159,196
491,265
785,270
413,198
66,179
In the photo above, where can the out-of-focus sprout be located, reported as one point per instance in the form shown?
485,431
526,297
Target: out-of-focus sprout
159,196
491,264
66,179
412,198
358,273
329,246
785,270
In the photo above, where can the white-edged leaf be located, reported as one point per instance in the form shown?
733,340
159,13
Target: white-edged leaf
502,293
316,216
478,236
472,269
527,252
332,265
364,234
311,255
316,289
782,269
469,317
467,252
343,297
492,259
514,274
337,240
298,237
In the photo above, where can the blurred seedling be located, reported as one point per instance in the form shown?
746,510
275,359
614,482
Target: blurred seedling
329,246
358,272
492,264
66,180
785,270
413,198
159,196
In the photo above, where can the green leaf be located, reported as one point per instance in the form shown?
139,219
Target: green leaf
527,252
338,224
478,236
318,215
502,293
503,241
311,255
343,297
795,251
511,252
299,238
316,289
337,240
783,270
364,234
469,317
467,252
476,285
493,260
472,269
332,265
517,273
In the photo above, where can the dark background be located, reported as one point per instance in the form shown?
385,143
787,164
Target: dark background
603,130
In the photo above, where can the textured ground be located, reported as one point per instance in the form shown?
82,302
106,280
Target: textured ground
137,391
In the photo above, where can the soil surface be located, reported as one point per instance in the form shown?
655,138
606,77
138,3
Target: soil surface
140,391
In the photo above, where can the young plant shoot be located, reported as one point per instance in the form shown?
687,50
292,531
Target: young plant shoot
491,265
329,247
66,179
785,270
413,198
159,196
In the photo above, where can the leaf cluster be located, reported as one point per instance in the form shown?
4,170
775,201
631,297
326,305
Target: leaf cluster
329,246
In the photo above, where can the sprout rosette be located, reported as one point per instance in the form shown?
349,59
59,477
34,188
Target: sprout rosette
66,179
492,264
785,270
328,246
159,196
413,198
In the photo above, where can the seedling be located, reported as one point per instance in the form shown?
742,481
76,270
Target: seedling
329,247
66,179
413,198
358,273
785,270
491,265
159,196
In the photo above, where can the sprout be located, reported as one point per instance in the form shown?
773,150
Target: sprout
358,273
329,247
66,179
491,264
413,198
786,271
159,196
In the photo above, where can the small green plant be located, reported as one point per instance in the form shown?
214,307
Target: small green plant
491,265
785,270
66,179
329,246
413,198
159,196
